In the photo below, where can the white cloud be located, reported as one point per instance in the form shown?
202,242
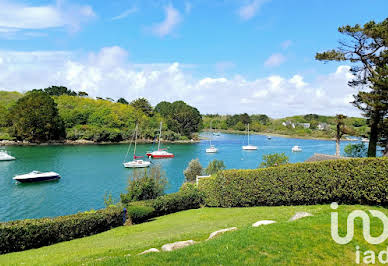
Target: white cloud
126,13
19,16
275,60
249,10
171,21
109,73
286,44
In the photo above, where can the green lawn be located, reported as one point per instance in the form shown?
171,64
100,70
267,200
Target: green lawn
300,242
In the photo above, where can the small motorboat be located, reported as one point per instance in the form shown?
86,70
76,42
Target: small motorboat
217,134
137,164
269,137
36,176
4,156
211,149
296,148
365,140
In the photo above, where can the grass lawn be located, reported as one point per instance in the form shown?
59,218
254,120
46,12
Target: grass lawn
303,241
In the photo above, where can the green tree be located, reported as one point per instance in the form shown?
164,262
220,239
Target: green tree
3,116
145,184
193,170
35,118
274,159
356,150
240,126
82,94
367,50
341,130
122,100
143,105
59,90
214,167
163,108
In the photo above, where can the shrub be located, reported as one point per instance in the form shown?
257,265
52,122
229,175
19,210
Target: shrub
193,169
356,150
214,167
188,197
139,213
350,181
35,233
274,159
145,184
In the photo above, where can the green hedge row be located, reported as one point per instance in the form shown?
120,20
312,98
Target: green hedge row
350,181
35,233
188,197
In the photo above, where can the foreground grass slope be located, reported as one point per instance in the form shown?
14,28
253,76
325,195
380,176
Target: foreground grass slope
304,241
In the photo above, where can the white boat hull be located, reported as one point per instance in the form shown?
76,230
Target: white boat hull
137,164
211,150
249,147
296,149
6,157
37,177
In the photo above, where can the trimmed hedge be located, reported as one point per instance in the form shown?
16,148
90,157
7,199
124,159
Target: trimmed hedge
350,181
188,197
35,233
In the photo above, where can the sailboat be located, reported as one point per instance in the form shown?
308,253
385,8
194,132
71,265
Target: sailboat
159,153
135,163
249,146
212,148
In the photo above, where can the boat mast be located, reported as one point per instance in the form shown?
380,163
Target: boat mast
248,134
160,135
210,131
134,150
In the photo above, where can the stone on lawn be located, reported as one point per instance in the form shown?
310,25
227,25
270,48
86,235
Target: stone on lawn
263,222
149,251
177,245
219,232
300,215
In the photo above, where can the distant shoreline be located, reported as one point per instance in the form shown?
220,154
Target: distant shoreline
89,142
231,131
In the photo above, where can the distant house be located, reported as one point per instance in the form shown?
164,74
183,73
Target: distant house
323,157
288,123
305,125
323,126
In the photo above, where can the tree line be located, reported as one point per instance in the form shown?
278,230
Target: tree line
57,113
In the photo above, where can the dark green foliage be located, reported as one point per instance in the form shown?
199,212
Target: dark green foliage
35,233
188,197
347,181
356,150
143,105
274,159
214,167
122,100
82,94
145,184
60,90
193,170
181,117
138,213
35,118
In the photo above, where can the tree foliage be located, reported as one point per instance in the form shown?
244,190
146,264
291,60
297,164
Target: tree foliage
59,90
143,105
367,49
274,159
356,150
193,170
35,118
214,167
145,184
122,100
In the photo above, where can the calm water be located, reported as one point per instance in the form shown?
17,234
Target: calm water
90,171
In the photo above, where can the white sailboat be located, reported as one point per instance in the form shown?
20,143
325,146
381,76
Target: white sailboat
296,148
249,146
160,153
135,163
212,148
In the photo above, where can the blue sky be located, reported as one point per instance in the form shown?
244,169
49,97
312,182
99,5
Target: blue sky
221,56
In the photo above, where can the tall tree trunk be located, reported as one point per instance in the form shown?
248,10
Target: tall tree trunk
373,136
337,147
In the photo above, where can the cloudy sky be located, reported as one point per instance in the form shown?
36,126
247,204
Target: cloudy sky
222,56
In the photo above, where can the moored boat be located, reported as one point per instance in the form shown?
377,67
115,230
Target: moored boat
159,153
4,156
36,176
135,163
296,148
249,147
